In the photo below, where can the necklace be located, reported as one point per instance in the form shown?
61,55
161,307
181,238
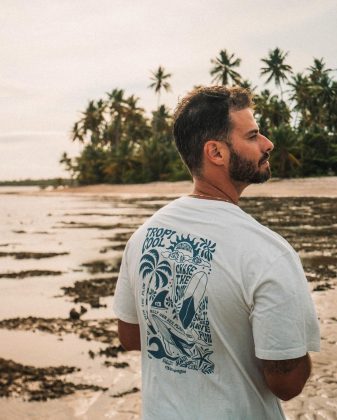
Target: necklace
212,197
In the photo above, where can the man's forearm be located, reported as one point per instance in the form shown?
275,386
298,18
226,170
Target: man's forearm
129,335
286,378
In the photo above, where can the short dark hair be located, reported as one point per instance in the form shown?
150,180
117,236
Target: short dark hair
203,114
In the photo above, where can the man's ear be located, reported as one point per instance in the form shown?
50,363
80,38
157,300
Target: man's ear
214,152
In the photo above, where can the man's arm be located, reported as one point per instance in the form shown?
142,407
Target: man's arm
286,378
129,335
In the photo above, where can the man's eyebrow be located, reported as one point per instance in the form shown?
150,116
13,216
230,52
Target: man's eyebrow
254,131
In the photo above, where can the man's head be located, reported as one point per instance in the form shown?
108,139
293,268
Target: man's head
215,117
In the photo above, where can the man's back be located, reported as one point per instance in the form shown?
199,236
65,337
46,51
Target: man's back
212,290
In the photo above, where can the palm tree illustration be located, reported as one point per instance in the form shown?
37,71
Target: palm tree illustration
223,70
159,82
159,272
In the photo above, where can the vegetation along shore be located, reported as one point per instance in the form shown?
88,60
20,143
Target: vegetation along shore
124,144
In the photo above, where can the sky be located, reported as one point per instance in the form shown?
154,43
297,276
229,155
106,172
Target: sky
56,55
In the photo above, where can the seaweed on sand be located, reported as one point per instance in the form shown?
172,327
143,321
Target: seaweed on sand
130,391
101,266
102,330
38,384
22,255
29,273
90,291
36,255
110,351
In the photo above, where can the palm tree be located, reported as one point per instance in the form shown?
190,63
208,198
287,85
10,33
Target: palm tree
162,123
318,71
159,82
68,164
135,127
223,70
323,92
300,95
77,132
276,68
270,111
116,106
90,124
247,84
314,96
332,111
285,157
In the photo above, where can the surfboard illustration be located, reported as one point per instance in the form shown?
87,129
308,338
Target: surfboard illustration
194,292
172,335
157,303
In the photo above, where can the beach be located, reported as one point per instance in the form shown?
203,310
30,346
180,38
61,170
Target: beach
60,253
296,187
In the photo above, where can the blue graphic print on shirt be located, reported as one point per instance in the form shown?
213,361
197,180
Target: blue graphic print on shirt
174,268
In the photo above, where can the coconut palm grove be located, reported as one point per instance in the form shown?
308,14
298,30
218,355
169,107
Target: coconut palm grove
298,112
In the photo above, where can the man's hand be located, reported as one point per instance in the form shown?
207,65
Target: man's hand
129,335
286,378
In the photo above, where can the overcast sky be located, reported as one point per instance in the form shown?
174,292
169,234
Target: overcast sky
56,55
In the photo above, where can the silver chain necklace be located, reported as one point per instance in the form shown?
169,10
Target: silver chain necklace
212,197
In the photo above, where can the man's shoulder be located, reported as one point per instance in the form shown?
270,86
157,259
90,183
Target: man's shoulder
154,220
261,238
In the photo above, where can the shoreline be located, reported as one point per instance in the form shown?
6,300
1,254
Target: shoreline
302,187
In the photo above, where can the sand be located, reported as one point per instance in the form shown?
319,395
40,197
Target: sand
299,187
319,398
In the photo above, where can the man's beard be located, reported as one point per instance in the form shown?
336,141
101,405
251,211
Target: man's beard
244,170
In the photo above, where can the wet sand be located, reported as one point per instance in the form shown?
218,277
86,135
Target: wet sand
64,321
297,187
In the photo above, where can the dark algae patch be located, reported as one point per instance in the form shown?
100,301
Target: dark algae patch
90,291
322,287
75,225
38,384
121,236
130,391
32,255
117,365
116,247
102,330
110,351
102,266
29,273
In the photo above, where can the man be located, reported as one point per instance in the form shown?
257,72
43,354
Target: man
218,304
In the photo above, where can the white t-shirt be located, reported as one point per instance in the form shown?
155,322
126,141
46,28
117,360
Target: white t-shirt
213,291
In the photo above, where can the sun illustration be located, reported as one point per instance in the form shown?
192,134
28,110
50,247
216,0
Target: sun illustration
185,245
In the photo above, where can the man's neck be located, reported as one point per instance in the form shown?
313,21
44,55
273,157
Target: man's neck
226,191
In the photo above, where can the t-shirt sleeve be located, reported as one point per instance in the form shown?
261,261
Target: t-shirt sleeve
284,321
124,305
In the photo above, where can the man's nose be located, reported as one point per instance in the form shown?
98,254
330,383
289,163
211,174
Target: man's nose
268,145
